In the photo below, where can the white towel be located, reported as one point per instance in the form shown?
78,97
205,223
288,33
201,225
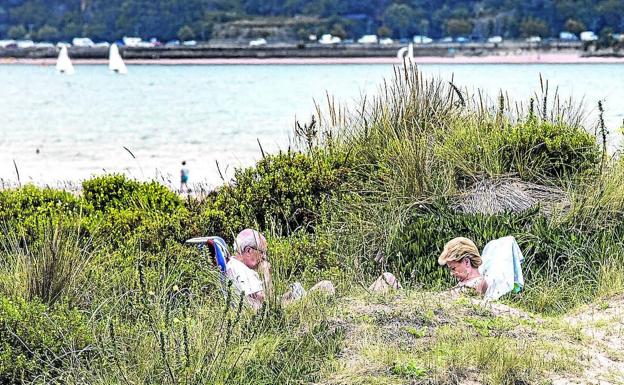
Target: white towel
501,259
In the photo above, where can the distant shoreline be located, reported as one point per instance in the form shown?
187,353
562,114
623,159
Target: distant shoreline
529,58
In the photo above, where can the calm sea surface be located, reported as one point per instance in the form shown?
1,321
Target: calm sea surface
58,128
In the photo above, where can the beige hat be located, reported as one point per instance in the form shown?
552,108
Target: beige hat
459,248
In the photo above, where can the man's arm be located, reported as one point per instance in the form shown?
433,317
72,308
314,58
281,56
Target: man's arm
265,272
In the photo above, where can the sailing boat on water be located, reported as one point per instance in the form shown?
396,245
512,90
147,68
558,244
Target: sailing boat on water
406,52
115,62
63,64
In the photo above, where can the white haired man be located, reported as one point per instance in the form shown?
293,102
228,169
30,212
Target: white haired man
250,259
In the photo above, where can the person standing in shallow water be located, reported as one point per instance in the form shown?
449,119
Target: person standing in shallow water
184,175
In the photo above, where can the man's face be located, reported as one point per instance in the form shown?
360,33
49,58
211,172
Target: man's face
460,269
255,255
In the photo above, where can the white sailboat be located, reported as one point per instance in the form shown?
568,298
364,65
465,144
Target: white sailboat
115,62
406,52
63,64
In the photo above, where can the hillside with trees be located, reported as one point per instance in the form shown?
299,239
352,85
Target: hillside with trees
196,19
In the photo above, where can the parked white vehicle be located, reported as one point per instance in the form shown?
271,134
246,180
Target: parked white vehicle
495,39
588,36
386,41
7,43
368,39
82,42
533,39
44,44
421,39
329,39
25,43
189,43
567,36
131,41
257,42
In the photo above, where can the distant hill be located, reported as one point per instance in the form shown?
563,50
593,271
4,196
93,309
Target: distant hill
197,19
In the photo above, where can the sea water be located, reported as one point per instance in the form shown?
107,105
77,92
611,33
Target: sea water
56,128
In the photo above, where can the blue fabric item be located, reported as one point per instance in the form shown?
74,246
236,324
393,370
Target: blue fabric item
501,267
221,253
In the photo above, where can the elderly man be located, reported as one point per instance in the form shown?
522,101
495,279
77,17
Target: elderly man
250,272
249,259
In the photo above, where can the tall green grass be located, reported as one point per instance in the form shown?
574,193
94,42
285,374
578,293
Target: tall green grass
373,189
420,145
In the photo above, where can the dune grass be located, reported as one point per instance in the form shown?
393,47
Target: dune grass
380,187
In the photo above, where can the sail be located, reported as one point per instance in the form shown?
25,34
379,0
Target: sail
63,64
115,62
406,52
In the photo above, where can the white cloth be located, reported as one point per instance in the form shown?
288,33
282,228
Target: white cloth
245,280
501,259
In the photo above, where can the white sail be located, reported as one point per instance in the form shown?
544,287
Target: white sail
115,62
406,52
63,64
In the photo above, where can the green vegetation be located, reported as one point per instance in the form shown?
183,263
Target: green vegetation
464,343
379,188
187,19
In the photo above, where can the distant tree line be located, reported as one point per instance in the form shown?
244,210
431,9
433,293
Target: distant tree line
195,19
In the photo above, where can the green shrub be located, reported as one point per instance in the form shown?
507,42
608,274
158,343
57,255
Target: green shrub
553,150
306,257
414,252
281,192
419,243
151,229
535,150
35,340
30,200
118,192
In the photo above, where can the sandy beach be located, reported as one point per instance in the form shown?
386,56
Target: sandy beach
533,58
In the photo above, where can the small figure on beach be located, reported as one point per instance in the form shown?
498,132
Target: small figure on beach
491,274
250,272
184,176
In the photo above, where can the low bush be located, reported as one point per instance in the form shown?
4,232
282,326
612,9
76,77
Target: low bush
151,229
306,257
24,202
38,342
535,150
116,191
281,193
551,150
